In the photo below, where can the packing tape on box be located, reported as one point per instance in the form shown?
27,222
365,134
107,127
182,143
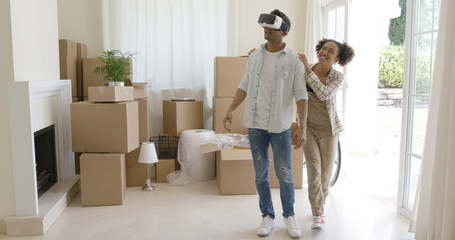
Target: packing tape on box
194,165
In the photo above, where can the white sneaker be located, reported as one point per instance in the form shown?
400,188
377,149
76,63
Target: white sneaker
293,228
318,222
266,227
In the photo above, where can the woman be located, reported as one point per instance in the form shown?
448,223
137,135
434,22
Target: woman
323,124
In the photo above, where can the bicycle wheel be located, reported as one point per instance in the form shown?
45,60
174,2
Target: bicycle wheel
337,166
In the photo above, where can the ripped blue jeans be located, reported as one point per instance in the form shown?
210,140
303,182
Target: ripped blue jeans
260,141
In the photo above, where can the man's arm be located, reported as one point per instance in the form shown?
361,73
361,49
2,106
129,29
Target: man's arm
240,95
299,137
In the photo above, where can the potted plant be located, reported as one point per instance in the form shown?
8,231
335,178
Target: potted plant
116,66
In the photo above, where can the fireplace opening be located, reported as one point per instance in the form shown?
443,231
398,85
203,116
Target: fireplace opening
45,159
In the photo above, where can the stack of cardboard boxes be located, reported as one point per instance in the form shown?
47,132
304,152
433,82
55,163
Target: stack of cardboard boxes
106,134
178,115
234,167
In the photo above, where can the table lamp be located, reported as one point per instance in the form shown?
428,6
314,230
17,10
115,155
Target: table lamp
148,155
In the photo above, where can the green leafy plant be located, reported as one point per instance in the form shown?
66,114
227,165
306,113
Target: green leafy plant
391,69
116,65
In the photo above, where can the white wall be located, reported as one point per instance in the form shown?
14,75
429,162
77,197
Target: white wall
251,35
81,21
35,40
7,205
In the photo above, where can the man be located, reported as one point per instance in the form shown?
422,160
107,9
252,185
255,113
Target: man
274,75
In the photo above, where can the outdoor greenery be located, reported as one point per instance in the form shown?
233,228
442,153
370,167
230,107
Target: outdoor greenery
116,65
397,26
391,69
391,66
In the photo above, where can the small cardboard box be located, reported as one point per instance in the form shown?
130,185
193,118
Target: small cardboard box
163,168
110,94
234,169
105,127
144,120
136,172
67,48
229,72
182,115
297,169
89,78
103,180
220,106
68,71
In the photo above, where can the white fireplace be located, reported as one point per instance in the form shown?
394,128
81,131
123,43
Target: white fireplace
34,216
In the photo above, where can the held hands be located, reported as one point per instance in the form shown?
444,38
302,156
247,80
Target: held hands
299,138
227,121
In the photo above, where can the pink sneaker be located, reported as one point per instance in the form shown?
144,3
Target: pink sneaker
318,222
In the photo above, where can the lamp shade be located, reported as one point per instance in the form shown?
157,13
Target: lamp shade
148,153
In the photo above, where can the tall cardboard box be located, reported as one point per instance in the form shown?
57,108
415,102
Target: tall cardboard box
81,53
220,106
144,120
163,168
229,72
297,169
103,180
136,172
234,169
68,63
89,78
67,48
182,115
105,127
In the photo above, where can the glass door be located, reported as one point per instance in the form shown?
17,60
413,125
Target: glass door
334,28
421,34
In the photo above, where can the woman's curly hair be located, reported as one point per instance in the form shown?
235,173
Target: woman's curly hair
346,53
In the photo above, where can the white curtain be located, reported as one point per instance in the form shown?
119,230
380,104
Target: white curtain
176,42
314,28
436,198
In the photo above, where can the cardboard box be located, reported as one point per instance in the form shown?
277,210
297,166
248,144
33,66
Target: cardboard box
68,71
103,180
81,53
144,120
136,173
139,88
229,72
234,169
182,115
67,48
105,127
220,106
297,169
90,79
163,168
77,162
110,94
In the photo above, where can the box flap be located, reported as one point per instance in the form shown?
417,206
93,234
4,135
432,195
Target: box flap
236,154
209,147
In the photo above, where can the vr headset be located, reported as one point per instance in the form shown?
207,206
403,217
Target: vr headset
272,21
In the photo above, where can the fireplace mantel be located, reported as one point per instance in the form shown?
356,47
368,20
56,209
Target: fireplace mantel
21,96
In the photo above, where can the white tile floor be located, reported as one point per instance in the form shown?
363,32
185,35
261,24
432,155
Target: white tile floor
197,211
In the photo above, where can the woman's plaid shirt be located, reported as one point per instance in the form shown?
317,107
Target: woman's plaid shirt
328,94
